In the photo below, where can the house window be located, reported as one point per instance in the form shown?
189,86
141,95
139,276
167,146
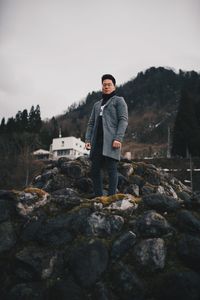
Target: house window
63,152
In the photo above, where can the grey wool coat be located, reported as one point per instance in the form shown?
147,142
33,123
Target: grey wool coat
114,120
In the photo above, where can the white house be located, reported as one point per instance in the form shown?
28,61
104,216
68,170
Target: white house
41,154
70,147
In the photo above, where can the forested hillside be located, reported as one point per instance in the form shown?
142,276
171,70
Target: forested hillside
152,98
157,99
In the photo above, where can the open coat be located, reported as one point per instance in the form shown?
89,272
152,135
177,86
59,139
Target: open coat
114,120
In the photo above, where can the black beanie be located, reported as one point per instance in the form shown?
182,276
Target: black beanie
108,76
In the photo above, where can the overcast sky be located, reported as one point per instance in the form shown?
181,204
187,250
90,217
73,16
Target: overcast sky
54,52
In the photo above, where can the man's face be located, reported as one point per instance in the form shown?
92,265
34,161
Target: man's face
107,86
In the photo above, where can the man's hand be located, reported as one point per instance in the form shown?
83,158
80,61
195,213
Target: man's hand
88,146
116,144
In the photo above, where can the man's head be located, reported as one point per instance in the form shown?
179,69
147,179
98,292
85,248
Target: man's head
108,83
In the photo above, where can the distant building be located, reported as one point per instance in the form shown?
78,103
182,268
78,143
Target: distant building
127,155
41,154
70,147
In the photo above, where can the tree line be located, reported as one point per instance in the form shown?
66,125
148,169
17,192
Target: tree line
186,133
156,89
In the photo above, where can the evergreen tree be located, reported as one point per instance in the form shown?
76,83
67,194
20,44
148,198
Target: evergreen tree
18,121
2,126
54,128
10,126
38,121
24,120
34,118
31,119
186,135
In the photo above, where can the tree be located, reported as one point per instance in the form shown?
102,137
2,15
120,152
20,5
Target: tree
34,118
2,126
24,120
10,126
187,126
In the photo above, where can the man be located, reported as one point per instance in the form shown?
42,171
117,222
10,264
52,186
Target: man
104,135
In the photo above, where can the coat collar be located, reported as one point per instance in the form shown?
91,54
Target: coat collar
107,101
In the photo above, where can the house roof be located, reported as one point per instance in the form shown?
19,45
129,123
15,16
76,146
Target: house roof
40,151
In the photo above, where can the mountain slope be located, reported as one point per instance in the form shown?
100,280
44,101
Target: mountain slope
152,98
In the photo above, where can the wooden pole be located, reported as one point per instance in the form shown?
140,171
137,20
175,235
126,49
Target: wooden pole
191,173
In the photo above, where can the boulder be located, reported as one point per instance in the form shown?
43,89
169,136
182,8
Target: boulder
7,236
161,203
150,254
58,241
88,261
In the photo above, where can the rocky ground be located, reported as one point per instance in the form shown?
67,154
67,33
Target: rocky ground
57,241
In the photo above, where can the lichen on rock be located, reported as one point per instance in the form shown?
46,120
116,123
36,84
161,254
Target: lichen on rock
59,241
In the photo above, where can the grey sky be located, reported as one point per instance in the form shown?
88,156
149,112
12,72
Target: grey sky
54,52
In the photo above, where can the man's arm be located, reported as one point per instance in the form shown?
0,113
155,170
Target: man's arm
89,130
122,113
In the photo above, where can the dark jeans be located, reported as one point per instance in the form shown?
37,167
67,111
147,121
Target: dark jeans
98,162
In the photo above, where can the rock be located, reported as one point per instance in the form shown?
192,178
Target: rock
106,200
67,244
152,224
31,228
55,232
65,192
72,169
138,180
79,222
160,189
88,261
161,203
183,285
126,169
196,200
102,292
152,177
124,205
132,189
4,210
66,289
84,185
84,161
147,190
127,284
7,236
122,182
49,174
140,168
66,198
123,244
7,195
37,179
189,251
30,200
102,225
169,190
66,202
187,222
150,254
58,182
25,291
38,263
184,196
62,160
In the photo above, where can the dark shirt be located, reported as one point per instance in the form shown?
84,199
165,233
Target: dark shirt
99,134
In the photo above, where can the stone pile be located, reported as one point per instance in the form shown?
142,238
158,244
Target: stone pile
57,241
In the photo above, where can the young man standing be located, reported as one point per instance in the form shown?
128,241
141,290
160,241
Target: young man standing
105,131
